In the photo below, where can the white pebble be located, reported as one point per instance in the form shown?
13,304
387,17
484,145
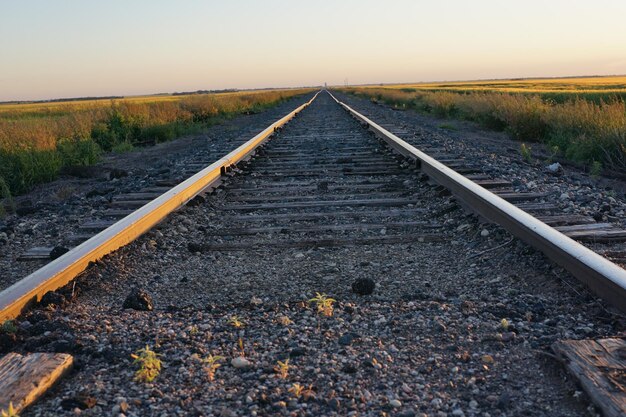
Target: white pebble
395,403
240,362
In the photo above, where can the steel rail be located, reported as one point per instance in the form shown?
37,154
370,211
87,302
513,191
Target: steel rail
602,276
14,299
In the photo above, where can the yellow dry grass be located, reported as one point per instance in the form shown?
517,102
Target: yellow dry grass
612,84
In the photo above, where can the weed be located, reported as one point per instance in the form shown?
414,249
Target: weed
298,390
122,147
504,323
282,369
447,126
8,327
596,169
324,304
525,150
149,364
193,331
6,200
211,365
9,412
241,349
236,322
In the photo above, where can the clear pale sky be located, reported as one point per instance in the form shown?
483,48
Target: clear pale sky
65,48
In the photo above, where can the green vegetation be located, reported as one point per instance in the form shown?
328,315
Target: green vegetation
582,130
8,327
211,365
149,364
37,140
236,322
324,304
525,151
282,369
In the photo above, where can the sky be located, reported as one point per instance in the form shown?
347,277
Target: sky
72,48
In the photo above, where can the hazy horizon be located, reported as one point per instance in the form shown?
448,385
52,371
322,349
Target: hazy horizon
66,49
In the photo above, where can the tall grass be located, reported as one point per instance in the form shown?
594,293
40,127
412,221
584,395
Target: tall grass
38,140
589,132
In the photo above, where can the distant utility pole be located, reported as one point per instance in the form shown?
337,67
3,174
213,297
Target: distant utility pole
325,85
345,82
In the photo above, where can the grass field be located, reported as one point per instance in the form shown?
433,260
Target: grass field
556,89
581,119
37,140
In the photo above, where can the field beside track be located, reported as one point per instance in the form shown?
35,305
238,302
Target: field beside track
580,119
37,140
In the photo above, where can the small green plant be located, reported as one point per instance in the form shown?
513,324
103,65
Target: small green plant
149,364
324,304
236,322
596,169
211,364
504,323
447,126
6,200
9,412
8,327
282,369
122,147
241,349
298,390
554,152
526,154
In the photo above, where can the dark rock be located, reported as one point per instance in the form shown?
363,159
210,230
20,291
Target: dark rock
139,300
347,339
25,208
53,299
349,369
363,286
100,192
194,247
322,186
196,201
503,401
58,251
81,171
407,413
7,341
334,403
62,346
80,401
117,173
297,351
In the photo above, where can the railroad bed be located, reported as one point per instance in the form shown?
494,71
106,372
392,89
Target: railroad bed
460,322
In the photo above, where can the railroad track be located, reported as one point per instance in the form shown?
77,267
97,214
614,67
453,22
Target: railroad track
324,189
